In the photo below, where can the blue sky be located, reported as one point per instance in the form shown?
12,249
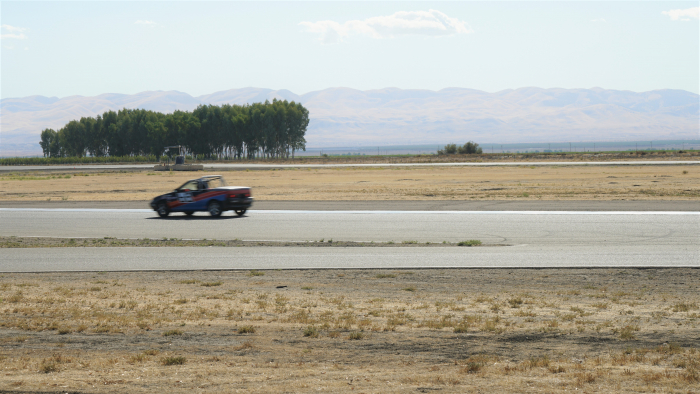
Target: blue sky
88,48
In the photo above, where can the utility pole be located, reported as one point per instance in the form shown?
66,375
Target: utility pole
569,147
594,147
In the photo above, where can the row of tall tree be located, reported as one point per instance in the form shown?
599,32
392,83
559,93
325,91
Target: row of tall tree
270,129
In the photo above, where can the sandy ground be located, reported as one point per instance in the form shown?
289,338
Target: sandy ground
356,184
365,331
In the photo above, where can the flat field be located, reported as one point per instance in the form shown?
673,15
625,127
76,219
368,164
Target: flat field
525,182
601,330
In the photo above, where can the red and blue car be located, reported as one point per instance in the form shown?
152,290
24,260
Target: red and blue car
208,193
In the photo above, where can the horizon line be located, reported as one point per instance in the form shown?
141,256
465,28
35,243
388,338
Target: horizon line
359,90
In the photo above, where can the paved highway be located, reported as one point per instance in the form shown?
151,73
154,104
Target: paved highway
527,227
535,239
234,166
528,256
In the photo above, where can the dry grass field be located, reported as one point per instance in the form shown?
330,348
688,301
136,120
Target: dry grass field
524,182
361,331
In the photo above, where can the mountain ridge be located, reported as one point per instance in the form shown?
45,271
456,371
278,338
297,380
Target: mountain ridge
345,116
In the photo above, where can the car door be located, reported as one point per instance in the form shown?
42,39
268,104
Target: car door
199,196
185,197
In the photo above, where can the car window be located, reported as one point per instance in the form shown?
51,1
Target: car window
216,182
191,185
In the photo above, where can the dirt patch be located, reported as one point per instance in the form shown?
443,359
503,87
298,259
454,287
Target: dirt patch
49,242
523,183
623,330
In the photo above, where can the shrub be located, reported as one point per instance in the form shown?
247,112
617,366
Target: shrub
179,360
171,333
461,328
628,332
469,148
356,335
471,242
472,367
246,330
311,331
515,302
48,366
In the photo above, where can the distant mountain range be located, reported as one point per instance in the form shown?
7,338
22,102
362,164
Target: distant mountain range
349,117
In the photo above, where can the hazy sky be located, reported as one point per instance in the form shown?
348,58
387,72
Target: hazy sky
88,48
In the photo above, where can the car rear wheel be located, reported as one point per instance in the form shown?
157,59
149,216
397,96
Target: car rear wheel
163,210
240,212
214,209
189,213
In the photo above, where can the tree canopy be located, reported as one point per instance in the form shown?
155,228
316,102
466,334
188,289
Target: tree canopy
270,129
469,148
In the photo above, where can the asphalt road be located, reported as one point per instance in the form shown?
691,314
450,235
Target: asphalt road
234,166
527,227
534,239
530,256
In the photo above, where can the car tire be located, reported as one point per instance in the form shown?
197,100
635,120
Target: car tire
240,212
214,209
163,210
189,213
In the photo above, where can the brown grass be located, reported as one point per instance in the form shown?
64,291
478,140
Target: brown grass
461,330
408,183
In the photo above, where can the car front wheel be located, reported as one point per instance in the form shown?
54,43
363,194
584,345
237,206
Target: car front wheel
163,210
214,209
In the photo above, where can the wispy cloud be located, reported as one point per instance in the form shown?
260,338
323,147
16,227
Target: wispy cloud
13,32
427,23
684,15
599,20
145,23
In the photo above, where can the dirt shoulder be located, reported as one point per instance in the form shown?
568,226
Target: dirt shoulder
372,331
437,185
48,242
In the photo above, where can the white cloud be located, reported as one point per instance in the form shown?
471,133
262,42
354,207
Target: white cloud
427,23
13,32
599,20
684,15
145,23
